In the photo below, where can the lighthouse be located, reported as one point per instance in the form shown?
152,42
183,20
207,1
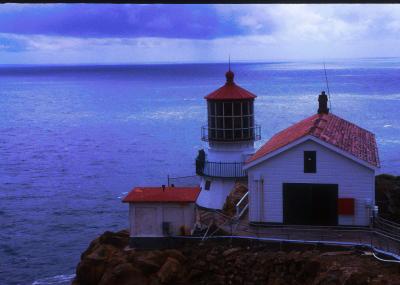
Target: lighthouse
230,134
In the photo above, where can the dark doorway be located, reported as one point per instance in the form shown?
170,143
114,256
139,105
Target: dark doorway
310,204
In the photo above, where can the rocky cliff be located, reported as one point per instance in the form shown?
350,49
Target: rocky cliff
108,261
387,196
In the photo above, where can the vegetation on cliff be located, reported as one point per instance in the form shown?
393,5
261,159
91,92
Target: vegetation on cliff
387,196
108,261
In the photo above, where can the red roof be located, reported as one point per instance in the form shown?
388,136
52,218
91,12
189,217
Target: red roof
230,91
156,194
331,129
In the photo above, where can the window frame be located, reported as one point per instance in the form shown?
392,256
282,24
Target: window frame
310,161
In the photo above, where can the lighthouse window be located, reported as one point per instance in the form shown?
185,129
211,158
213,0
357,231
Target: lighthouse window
245,108
211,108
228,134
228,109
212,122
310,162
219,108
245,122
220,122
207,185
228,123
238,123
237,109
251,121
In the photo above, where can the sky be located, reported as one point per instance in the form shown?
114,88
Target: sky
133,33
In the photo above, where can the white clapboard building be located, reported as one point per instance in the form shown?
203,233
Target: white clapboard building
319,171
161,211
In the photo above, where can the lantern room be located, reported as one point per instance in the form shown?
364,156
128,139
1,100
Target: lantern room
230,112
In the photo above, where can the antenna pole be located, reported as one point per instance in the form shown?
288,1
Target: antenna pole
327,86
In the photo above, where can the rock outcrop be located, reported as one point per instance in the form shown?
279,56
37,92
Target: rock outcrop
233,198
387,196
108,261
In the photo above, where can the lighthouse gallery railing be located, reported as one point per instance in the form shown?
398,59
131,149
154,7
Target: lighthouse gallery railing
220,169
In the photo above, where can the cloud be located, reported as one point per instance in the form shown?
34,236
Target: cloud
110,20
110,33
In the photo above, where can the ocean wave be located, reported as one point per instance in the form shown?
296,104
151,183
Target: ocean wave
384,141
185,114
58,279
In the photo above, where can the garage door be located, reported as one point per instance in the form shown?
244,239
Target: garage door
310,204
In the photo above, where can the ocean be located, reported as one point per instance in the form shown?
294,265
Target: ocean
75,139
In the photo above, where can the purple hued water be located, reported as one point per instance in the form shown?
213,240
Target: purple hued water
75,139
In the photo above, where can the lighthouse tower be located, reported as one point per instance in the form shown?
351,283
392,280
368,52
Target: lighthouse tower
230,134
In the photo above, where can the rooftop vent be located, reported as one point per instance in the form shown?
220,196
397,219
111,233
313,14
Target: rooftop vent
323,103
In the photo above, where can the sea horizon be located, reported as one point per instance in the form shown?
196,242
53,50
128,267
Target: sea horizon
233,61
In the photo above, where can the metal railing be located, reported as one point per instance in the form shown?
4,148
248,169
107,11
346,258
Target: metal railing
242,205
374,238
387,227
230,134
220,169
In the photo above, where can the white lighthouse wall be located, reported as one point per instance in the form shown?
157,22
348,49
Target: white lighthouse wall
215,197
145,219
229,152
220,187
354,181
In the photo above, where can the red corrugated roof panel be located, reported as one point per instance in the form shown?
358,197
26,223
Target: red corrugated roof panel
331,129
157,194
230,91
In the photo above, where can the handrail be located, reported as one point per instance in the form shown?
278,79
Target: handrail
239,212
220,169
389,222
371,237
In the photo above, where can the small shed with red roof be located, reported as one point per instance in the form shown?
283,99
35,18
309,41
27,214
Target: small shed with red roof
161,211
319,171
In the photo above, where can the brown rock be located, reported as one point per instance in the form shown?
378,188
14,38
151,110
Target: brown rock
93,265
357,278
90,272
105,262
328,278
123,274
147,266
230,251
194,273
170,270
119,239
178,255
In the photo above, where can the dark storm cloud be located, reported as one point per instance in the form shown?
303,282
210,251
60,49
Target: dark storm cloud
85,20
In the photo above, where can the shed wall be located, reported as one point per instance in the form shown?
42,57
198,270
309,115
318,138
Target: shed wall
145,219
266,181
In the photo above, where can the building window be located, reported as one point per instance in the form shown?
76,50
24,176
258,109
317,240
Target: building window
207,185
310,162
